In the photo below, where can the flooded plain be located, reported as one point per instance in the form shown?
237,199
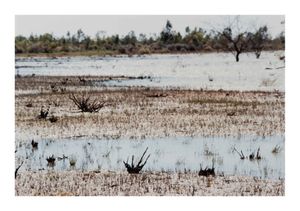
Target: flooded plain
210,71
174,154
191,111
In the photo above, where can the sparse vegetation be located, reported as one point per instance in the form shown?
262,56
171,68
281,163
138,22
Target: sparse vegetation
72,162
84,103
44,112
34,144
276,149
92,143
181,112
207,171
149,183
252,156
135,169
51,161
241,154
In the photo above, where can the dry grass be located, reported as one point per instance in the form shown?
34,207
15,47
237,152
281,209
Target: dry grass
132,113
141,113
148,183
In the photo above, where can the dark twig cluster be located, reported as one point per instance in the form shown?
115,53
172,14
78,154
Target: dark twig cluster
252,156
44,112
135,169
34,144
241,154
84,103
51,161
207,171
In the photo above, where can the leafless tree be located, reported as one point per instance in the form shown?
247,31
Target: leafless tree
231,37
235,44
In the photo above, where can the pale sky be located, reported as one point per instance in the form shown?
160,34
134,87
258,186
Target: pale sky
58,25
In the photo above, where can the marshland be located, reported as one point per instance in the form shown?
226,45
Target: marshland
193,123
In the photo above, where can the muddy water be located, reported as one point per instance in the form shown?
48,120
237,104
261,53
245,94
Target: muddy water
171,154
207,71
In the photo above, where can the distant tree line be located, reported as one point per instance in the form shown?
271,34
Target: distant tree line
168,41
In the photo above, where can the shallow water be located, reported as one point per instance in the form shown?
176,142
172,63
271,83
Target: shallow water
171,154
195,71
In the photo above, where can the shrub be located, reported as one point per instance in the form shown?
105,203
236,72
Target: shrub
135,169
44,113
84,103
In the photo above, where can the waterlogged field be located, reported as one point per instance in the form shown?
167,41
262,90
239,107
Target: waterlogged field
194,71
186,154
191,111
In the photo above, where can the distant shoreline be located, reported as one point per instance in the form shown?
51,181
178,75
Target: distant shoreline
116,53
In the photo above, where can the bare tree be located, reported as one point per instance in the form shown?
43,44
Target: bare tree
231,36
235,44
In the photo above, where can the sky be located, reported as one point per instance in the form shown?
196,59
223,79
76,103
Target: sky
59,25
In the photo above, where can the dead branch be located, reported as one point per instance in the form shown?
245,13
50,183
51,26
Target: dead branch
34,144
17,169
276,149
132,169
258,156
252,156
241,154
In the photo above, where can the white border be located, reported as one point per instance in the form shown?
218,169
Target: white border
11,8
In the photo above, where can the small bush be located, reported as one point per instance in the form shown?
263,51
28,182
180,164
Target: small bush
207,171
51,161
44,113
84,103
135,169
